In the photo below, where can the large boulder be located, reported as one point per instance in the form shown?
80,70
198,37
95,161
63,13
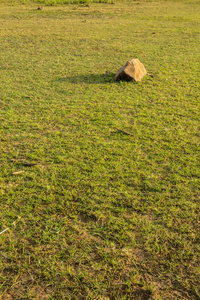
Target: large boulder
132,70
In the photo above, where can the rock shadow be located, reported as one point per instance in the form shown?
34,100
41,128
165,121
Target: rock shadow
89,78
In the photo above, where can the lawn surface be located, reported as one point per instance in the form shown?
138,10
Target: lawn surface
96,213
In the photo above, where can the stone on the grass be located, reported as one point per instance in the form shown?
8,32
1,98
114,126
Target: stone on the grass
132,70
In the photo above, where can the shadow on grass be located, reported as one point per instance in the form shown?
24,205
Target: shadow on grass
89,78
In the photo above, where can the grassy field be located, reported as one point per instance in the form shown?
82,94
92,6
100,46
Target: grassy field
93,213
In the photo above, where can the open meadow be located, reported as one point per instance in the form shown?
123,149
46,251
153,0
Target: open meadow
86,210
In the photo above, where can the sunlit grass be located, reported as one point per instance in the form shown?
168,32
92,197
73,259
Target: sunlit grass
100,214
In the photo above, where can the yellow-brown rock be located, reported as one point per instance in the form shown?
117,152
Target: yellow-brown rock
132,70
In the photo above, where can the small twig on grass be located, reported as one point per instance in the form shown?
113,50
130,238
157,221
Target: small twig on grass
4,230
125,132
24,162
19,172
14,224
13,160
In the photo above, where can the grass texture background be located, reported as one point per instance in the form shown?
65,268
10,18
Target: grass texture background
99,214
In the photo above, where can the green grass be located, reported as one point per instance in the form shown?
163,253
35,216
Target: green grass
101,214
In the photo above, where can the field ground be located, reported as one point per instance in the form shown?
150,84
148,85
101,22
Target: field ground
96,213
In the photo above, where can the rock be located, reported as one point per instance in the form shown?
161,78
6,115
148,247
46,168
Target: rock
132,70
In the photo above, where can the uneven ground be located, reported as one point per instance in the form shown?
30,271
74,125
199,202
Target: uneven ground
100,214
